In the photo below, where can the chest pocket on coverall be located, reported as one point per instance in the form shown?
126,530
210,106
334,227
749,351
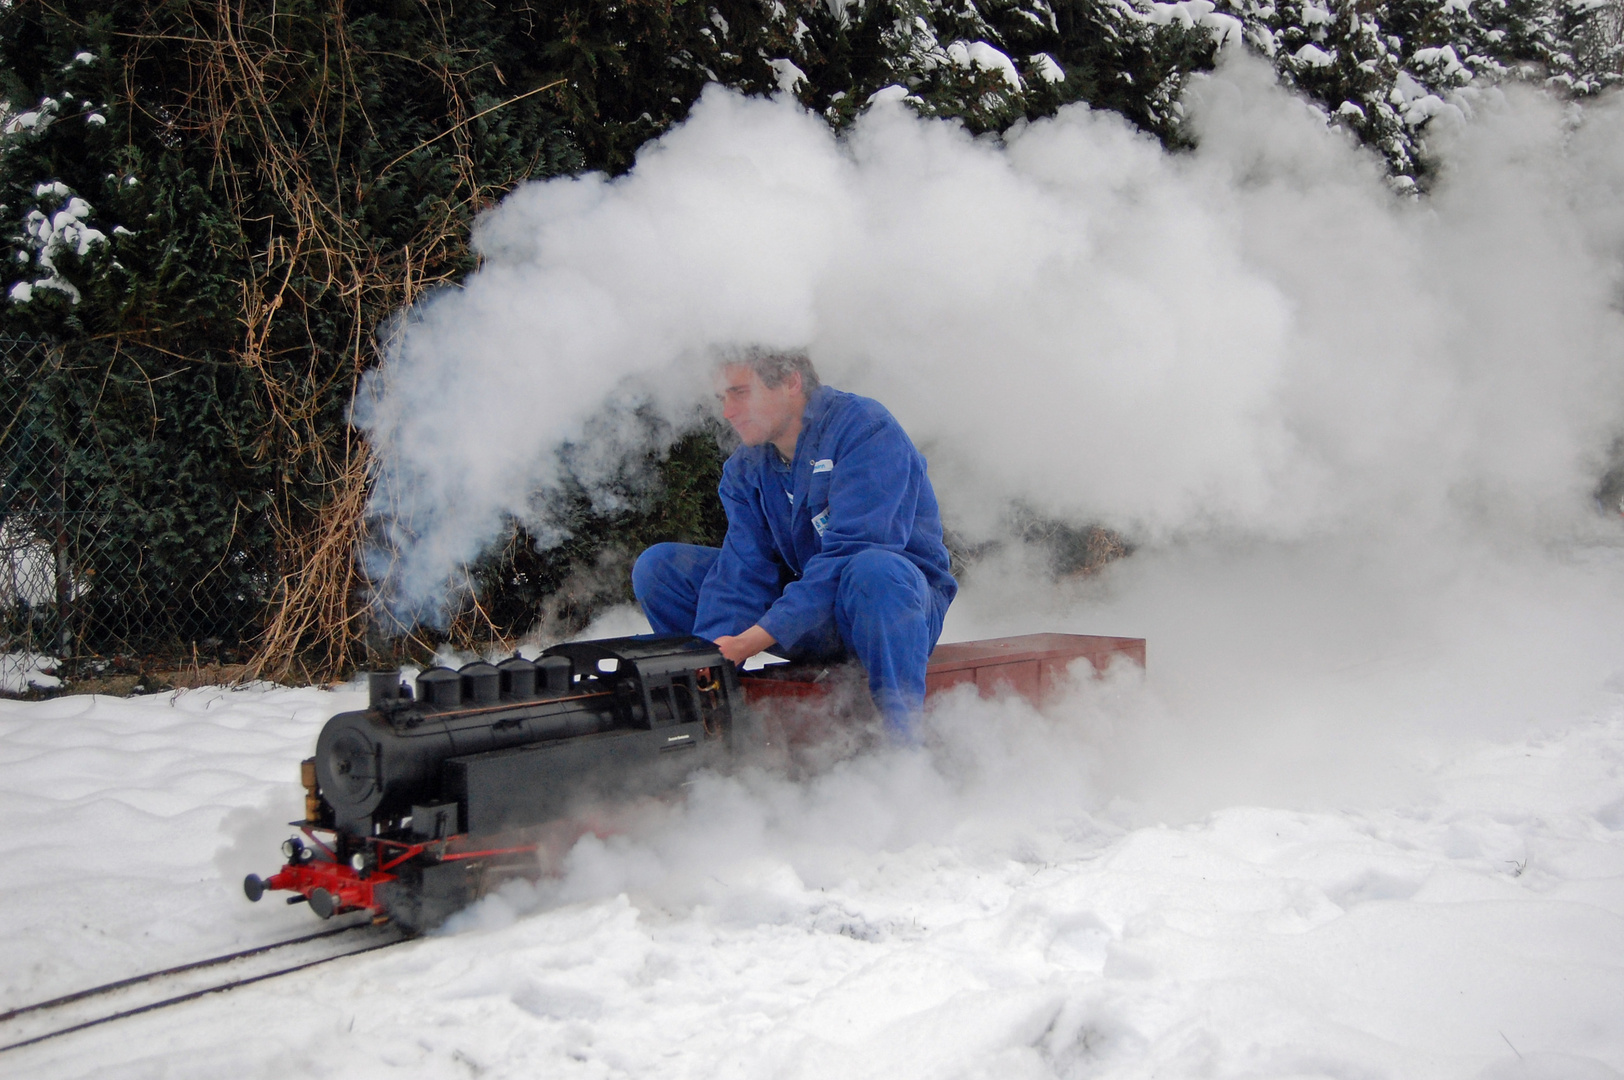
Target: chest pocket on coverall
817,502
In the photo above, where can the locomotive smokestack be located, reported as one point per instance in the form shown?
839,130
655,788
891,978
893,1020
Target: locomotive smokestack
383,688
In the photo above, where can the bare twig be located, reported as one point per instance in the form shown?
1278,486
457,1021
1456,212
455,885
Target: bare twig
464,123
264,142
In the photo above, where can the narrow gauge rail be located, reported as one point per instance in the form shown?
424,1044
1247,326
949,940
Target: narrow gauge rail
54,1006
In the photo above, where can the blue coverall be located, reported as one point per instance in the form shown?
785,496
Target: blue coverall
836,553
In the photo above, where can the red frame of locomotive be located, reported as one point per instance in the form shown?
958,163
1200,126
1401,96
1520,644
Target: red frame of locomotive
353,890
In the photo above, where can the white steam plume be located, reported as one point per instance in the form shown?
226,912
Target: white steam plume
1255,339
1353,433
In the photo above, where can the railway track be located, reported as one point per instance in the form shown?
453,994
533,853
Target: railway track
27,1025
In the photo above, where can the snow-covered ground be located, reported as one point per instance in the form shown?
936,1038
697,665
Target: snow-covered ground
1291,849
21,672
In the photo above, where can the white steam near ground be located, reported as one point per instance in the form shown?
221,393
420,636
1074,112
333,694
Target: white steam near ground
1354,435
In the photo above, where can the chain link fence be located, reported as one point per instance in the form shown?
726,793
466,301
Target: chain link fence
37,582
109,561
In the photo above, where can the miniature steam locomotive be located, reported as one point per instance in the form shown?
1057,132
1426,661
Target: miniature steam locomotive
426,800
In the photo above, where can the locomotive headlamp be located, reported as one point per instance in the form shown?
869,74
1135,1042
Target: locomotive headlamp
293,848
358,861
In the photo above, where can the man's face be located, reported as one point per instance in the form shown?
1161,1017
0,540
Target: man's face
758,412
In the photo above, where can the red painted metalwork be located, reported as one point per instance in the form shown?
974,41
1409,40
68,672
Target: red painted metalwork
353,889
805,704
1031,665
343,883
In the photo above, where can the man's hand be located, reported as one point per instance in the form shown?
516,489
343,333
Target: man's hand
741,647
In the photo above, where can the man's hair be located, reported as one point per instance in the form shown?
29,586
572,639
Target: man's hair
774,365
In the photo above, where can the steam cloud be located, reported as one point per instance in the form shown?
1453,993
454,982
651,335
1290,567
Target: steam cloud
1254,339
1354,435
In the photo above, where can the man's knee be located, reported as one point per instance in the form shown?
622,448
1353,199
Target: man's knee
877,577
650,568
666,580
677,569
670,564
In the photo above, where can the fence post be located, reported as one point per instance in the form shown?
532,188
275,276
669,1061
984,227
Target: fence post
64,565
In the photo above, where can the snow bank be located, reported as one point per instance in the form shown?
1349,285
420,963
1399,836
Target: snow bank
117,810
983,909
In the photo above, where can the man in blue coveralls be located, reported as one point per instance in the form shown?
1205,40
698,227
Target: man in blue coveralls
834,541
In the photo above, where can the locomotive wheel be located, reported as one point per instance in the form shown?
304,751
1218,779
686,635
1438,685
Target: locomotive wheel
253,886
323,903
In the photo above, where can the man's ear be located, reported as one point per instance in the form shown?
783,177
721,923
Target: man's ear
796,383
